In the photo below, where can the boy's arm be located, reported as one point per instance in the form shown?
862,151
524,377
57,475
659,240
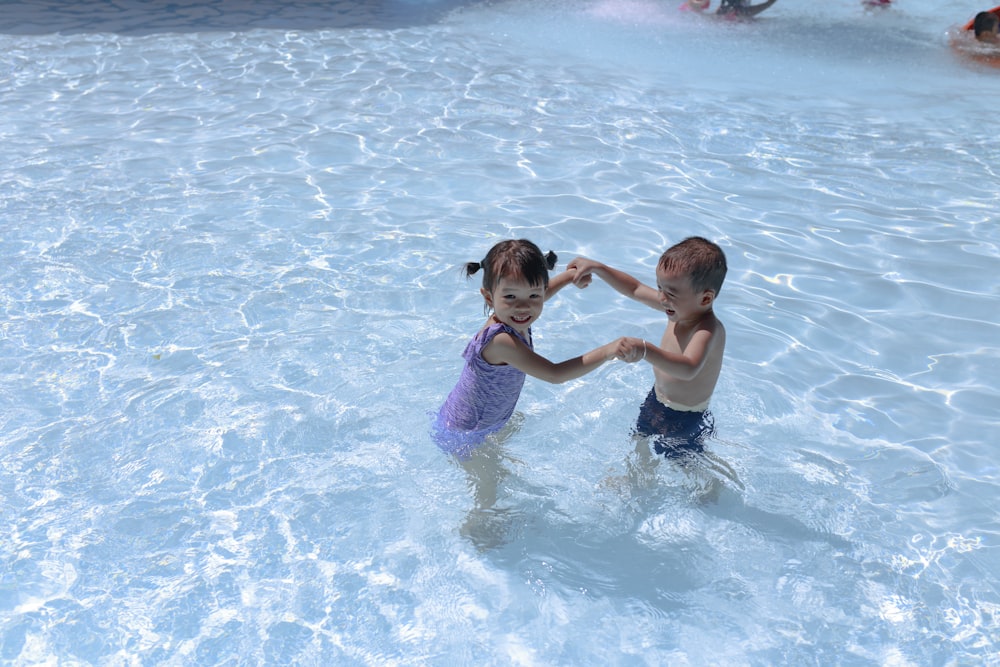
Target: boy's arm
619,280
680,365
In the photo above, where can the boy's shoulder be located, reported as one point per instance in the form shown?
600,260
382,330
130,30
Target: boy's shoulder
712,324
711,319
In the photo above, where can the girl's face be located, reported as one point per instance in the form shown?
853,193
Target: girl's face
516,303
679,299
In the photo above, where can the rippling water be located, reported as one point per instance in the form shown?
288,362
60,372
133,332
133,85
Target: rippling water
231,298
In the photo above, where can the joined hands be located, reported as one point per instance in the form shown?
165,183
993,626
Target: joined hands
630,350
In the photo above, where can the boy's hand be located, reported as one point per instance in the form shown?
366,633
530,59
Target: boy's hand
630,350
584,269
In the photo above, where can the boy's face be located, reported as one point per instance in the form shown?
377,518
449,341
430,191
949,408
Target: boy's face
516,303
680,300
990,35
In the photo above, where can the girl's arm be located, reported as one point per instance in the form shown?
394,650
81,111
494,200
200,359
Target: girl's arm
556,283
505,349
619,280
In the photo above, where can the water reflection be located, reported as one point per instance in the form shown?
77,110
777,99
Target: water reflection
141,17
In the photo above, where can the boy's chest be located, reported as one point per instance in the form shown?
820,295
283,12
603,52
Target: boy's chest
677,336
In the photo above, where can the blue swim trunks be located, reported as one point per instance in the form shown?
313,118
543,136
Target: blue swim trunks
674,432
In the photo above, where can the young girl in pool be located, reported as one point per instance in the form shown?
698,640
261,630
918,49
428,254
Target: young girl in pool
515,286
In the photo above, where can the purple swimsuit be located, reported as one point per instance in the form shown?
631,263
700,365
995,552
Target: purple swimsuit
484,398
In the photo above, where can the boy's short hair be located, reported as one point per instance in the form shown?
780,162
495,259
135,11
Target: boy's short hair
703,261
984,22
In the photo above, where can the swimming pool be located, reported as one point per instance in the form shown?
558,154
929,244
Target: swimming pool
230,257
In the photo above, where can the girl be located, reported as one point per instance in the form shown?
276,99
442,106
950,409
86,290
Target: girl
515,285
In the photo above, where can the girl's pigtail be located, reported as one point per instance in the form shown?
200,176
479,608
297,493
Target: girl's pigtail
471,268
550,260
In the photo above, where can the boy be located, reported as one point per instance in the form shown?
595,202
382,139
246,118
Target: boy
687,362
985,26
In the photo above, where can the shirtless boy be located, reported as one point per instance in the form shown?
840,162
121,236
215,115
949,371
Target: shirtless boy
687,362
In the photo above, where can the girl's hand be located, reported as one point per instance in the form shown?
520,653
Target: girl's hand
630,350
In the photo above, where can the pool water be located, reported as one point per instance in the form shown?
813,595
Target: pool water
230,257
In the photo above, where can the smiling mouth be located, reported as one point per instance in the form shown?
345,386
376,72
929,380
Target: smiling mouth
520,320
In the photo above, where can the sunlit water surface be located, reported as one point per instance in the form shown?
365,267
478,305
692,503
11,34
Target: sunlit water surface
231,299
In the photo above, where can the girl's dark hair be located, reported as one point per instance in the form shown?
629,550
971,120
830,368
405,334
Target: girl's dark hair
514,259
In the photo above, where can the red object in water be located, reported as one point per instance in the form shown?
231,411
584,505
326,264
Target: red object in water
695,6
968,47
968,26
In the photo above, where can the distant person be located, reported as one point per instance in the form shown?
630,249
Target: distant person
687,362
728,8
515,286
741,8
695,6
986,26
